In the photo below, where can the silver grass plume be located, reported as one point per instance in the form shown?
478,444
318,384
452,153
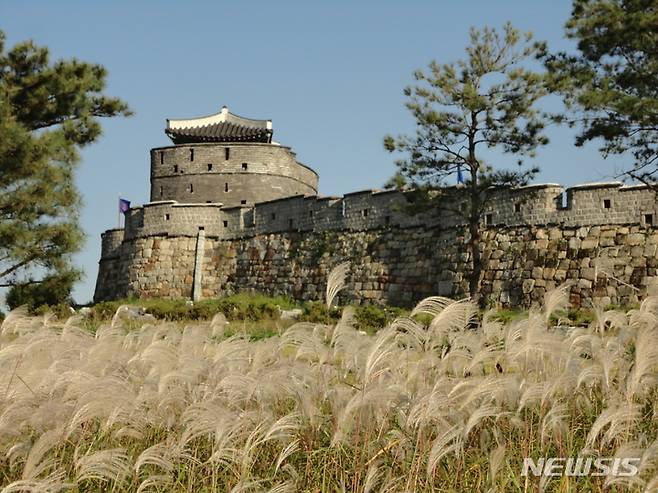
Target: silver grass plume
450,441
556,299
496,459
336,282
432,305
106,465
54,483
372,478
35,464
619,419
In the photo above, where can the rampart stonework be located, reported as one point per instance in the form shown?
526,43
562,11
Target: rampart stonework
229,215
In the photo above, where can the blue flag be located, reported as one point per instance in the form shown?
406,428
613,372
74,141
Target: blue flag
124,205
460,177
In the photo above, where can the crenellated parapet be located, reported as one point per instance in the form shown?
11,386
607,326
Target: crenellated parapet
111,241
534,205
581,205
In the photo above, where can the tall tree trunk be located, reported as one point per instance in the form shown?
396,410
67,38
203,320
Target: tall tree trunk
476,271
474,217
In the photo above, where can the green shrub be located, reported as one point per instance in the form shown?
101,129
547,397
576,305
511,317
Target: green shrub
423,318
106,309
317,312
580,316
622,308
507,315
61,310
242,306
574,316
262,332
369,317
51,291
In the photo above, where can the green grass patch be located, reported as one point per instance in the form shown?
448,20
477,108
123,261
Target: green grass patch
507,315
242,306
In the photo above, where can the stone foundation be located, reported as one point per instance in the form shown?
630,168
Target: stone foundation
396,266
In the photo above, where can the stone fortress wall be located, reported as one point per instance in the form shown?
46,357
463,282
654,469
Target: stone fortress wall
232,210
534,238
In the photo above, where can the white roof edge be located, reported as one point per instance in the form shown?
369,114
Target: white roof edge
635,186
159,202
539,185
198,204
175,203
595,184
222,116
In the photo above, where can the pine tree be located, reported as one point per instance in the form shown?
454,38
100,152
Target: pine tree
612,83
486,100
48,111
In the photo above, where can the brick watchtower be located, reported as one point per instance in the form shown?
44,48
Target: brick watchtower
227,159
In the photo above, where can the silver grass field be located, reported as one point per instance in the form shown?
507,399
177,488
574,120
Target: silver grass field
449,405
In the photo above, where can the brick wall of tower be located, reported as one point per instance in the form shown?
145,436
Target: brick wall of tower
231,174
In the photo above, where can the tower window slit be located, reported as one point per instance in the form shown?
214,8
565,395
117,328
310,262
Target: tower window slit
191,154
226,187
245,166
227,153
162,157
209,167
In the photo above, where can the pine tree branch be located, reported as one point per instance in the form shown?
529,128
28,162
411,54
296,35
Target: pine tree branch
17,266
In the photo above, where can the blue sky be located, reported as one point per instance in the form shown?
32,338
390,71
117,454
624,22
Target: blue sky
330,76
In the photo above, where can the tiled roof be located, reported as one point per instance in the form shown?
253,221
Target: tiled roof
219,132
220,127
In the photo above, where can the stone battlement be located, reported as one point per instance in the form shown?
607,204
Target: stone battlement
538,205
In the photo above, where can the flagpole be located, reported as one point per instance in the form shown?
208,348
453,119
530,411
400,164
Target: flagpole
118,212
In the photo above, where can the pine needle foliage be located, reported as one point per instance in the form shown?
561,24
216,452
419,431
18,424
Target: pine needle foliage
609,84
49,111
